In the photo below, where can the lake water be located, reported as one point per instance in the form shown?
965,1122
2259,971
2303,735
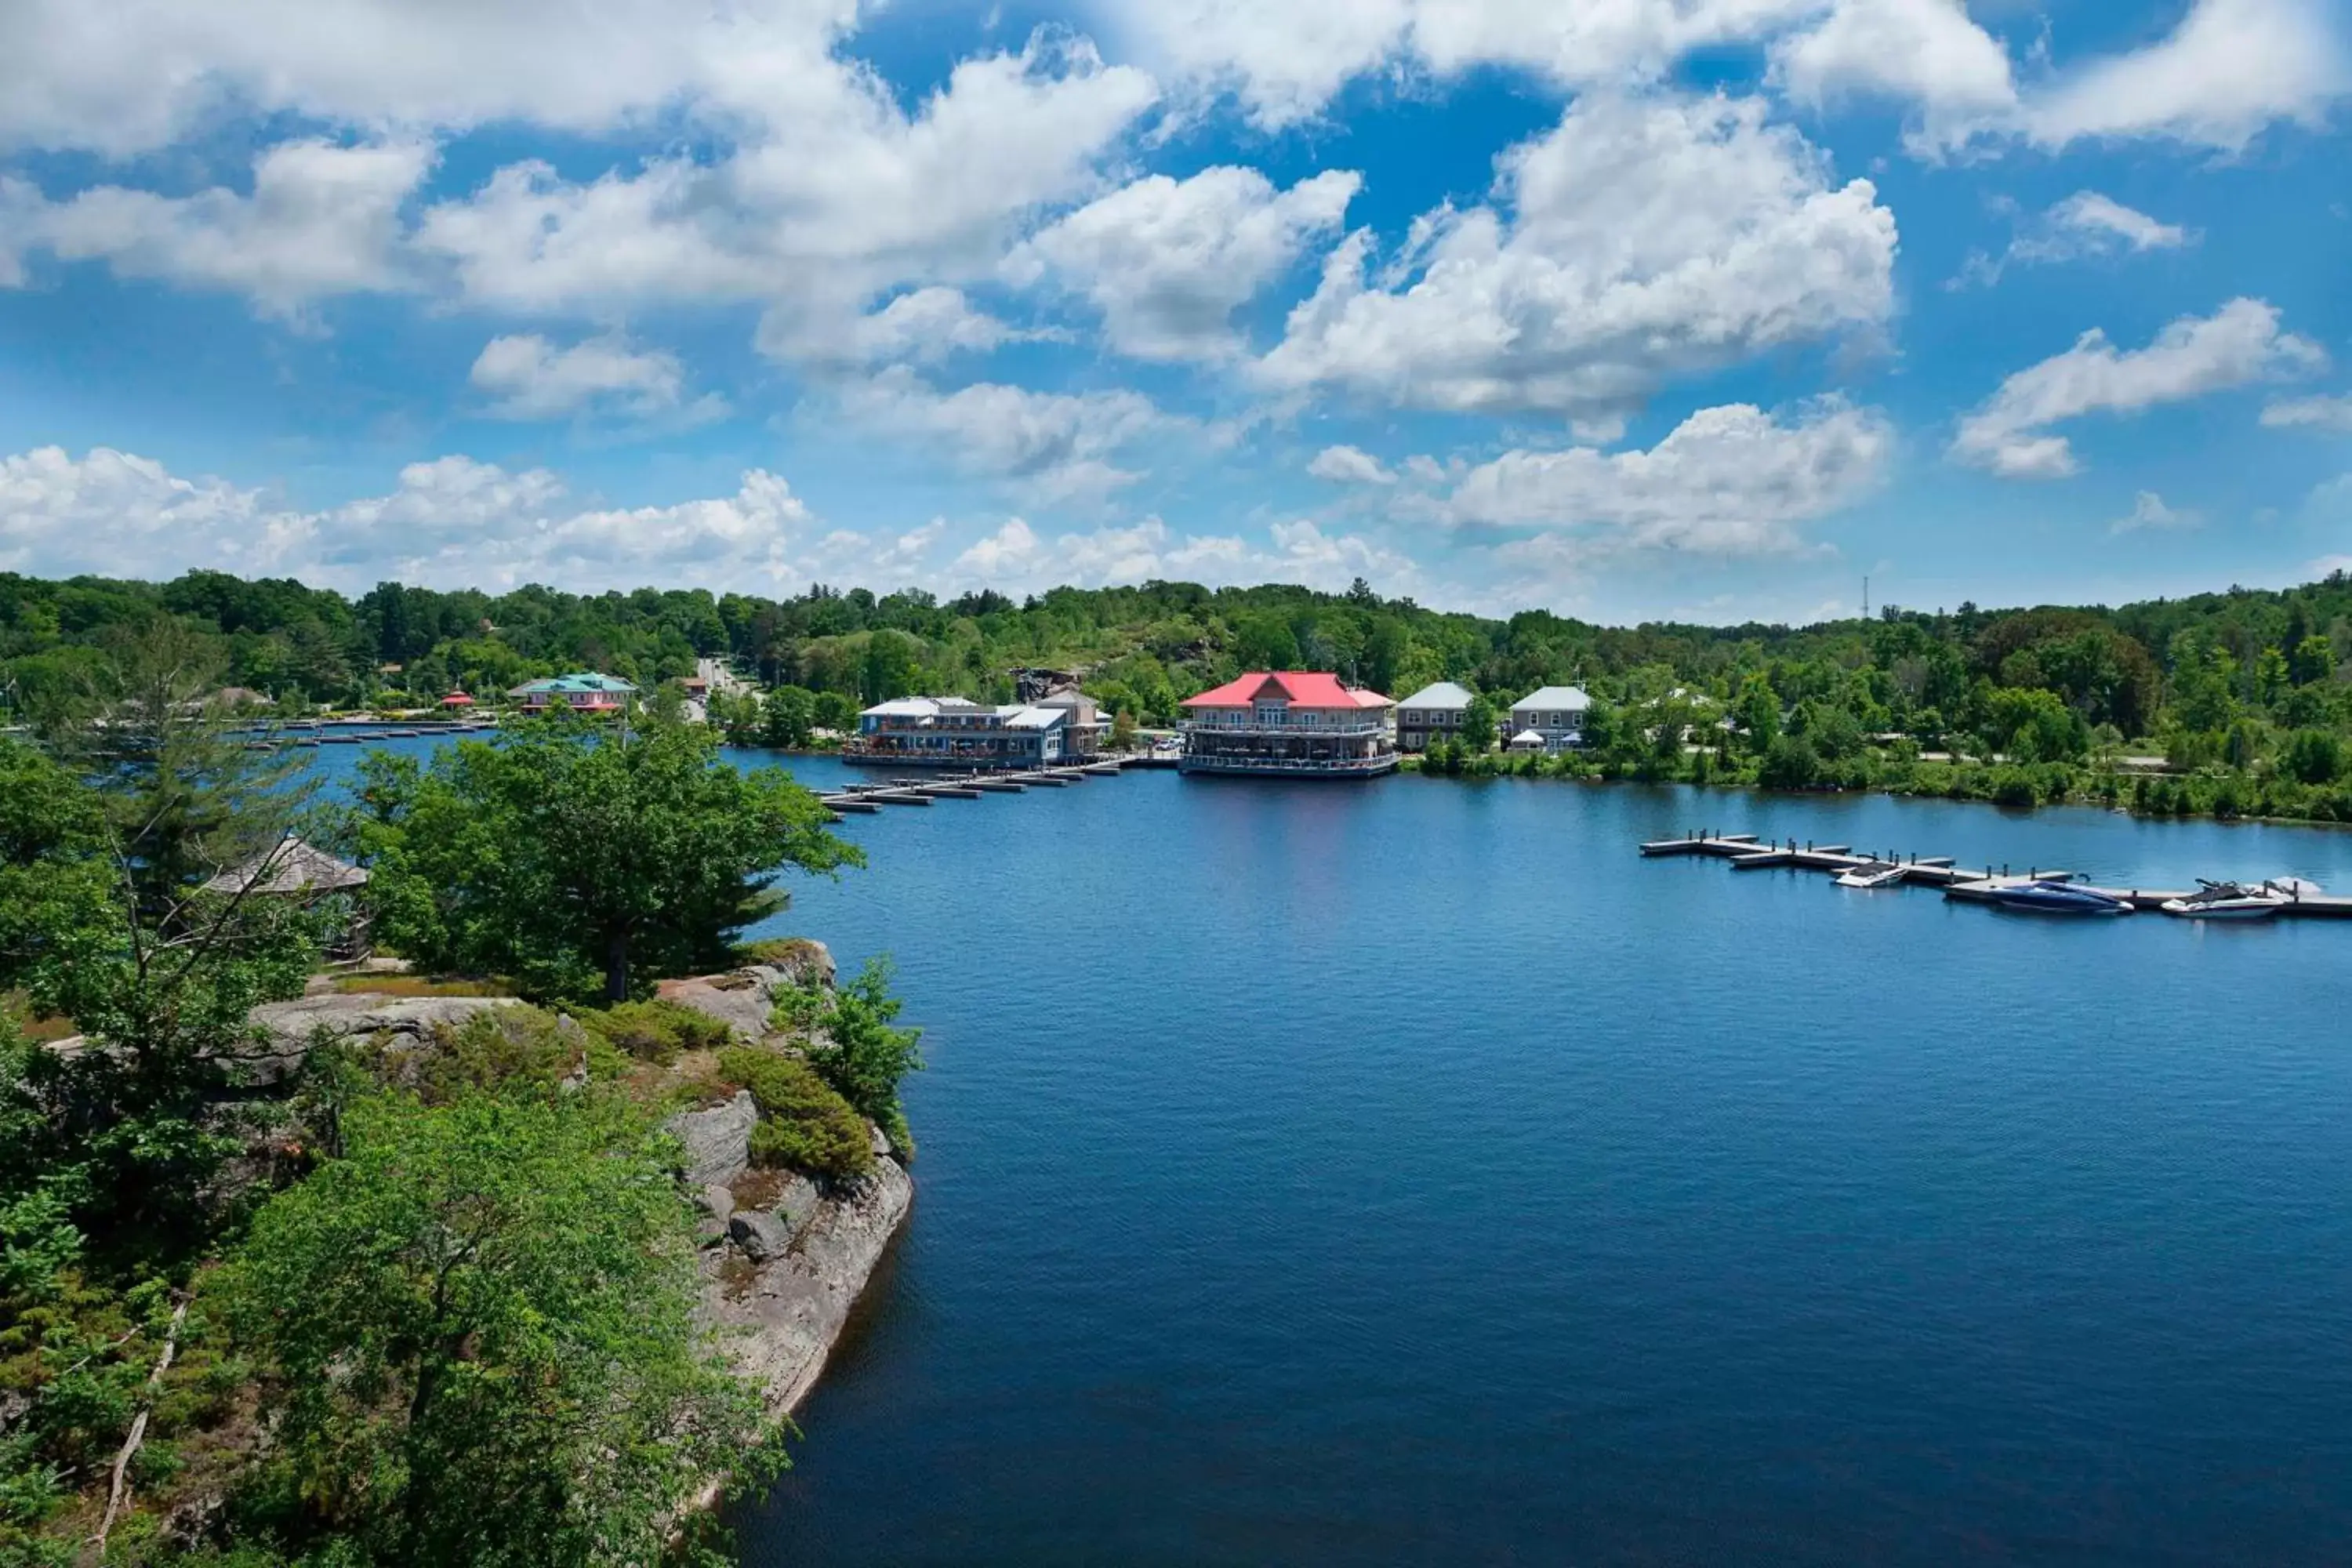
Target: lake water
1410,1174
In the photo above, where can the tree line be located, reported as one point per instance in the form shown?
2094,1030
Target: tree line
384,1304
2242,688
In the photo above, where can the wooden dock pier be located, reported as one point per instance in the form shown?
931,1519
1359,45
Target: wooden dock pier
870,798
1967,884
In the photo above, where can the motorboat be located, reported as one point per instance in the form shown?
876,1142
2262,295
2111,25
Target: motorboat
2226,902
2055,896
1875,874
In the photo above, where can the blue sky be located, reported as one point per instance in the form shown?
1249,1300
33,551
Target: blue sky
1631,308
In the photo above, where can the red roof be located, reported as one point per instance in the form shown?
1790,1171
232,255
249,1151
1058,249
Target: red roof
456,700
1299,687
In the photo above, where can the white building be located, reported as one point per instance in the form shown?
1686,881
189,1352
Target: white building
1554,714
1432,713
955,732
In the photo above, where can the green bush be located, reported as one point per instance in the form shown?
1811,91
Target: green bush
499,1051
803,1123
656,1031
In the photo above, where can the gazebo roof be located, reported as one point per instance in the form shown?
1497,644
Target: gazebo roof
290,865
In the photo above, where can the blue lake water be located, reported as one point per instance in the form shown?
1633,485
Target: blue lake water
1409,1173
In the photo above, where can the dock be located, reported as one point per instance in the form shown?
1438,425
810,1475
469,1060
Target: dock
1966,884
870,798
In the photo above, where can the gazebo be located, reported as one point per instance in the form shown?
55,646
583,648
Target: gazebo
291,868
457,701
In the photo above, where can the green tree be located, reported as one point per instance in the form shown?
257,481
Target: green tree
1758,713
853,1043
888,668
187,792
1478,732
558,857
788,714
1266,642
836,712
1122,730
2314,757
2313,659
479,1334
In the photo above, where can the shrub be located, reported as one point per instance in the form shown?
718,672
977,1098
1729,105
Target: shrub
2014,786
657,1032
1790,763
853,1045
499,1051
2314,757
803,1123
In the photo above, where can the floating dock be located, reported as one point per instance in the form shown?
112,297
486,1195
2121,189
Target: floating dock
871,797
1968,884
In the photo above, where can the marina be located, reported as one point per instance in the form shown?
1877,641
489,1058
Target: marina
870,798
1968,884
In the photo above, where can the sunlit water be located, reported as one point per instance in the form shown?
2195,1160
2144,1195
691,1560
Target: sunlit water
1409,1173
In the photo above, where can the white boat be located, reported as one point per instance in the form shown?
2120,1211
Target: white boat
2226,902
1875,874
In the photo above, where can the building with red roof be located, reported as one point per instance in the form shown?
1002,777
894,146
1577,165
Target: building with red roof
1289,724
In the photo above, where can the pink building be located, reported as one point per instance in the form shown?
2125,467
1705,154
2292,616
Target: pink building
1289,724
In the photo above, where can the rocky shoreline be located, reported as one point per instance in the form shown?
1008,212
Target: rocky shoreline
785,1259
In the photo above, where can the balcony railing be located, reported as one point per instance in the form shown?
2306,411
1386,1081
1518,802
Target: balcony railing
1285,732
1247,763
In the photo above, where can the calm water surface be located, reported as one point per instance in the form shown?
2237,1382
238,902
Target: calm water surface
1409,1173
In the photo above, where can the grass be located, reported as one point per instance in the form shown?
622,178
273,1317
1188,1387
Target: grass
419,986
39,1030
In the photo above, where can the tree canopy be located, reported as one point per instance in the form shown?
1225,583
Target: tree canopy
578,862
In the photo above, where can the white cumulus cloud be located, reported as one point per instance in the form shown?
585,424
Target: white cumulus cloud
1017,558
1167,261
321,220
531,378
1640,239
2149,511
837,196
452,520
2230,69
927,326
2085,223
1731,481
1350,466
2333,414
2238,344
1051,446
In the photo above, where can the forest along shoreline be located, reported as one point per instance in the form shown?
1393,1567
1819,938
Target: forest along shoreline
560,1197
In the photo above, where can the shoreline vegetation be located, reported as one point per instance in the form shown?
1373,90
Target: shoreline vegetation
2220,796
2236,703
561,1214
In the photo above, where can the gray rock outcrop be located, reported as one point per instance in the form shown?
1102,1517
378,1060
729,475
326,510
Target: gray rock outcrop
781,1324
292,1027
718,1141
762,1236
742,999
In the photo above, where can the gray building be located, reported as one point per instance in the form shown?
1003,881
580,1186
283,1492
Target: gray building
1553,715
1432,713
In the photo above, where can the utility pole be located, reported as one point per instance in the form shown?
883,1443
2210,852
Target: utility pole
1865,595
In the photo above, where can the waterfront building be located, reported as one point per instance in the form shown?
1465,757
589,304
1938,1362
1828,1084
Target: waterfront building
1432,713
581,692
1289,724
1555,714
955,732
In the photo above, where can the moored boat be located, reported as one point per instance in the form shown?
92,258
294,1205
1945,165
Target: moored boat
2049,896
1875,874
2226,902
